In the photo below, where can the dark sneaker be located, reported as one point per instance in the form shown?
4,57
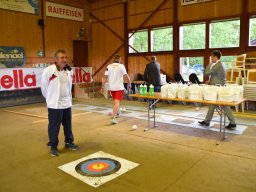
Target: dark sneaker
54,152
231,126
71,146
203,123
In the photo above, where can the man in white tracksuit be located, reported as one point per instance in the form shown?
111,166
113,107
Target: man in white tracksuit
56,85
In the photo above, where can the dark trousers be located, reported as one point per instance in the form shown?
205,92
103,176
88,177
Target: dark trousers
57,117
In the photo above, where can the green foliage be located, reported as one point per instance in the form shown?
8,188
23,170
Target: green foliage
253,29
192,37
162,39
225,34
222,34
140,41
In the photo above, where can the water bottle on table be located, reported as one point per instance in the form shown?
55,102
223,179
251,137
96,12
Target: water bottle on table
151,90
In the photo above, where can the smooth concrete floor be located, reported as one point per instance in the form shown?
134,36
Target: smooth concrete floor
170,161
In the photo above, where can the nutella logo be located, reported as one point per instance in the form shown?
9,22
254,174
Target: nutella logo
17,80
81,76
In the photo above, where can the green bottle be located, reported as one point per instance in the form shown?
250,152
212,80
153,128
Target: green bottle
144,89
151,90
141,89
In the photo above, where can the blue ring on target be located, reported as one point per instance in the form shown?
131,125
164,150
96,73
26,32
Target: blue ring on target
97,167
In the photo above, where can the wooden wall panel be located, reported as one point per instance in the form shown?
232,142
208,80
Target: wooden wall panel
162,17
102,4
139,10
59,34
143,6
212,9
104,43
251,6
115,10
22,29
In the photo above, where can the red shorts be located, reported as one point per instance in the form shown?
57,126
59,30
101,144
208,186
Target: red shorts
117,95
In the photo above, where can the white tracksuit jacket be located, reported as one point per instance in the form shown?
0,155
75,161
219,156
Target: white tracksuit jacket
50,86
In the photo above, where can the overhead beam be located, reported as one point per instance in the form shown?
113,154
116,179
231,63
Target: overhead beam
125,42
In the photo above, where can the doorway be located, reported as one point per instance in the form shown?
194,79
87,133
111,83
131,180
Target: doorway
80,53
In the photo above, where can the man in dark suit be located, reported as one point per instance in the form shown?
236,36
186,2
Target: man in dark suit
152,74
217,75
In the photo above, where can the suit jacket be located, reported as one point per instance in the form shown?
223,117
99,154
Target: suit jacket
217,73
152,74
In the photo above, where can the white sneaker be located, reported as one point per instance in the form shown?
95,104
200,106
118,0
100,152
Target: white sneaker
114,121
197,108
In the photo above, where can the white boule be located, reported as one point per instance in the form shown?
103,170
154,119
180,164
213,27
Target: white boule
124,109
134,127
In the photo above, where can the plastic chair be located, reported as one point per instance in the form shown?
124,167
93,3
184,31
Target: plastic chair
239,64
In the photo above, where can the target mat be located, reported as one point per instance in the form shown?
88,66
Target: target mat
98,168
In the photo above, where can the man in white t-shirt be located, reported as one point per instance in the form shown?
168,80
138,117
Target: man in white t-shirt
115,73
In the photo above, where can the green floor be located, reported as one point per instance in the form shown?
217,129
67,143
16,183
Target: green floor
170,160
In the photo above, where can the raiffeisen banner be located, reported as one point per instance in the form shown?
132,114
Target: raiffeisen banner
64,11
30,78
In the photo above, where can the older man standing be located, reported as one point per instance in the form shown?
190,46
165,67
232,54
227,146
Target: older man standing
56,87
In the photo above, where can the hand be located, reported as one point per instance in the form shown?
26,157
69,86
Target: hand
207,82
101,90
129,86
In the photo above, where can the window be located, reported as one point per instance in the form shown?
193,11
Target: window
190,65
225,34
162,39
252,32
192,36
138,41
228,60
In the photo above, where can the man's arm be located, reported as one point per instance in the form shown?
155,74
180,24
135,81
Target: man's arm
128,79
145,75
207,70
103,81
45,82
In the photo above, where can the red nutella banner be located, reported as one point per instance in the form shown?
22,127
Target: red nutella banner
30,78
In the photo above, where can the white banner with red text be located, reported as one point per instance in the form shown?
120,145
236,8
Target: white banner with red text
30,78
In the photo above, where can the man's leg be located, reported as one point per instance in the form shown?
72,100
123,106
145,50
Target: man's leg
67,125
116,103
54,118
229,114
209,115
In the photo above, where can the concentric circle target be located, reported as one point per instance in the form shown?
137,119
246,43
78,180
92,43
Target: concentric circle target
97,167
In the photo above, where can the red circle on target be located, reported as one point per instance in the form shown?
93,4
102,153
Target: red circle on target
98,166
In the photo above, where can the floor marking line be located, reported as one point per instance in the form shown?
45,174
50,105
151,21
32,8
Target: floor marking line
26,114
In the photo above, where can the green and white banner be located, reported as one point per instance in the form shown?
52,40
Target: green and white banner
26,6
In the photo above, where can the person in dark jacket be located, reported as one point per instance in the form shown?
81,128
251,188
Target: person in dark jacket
152,74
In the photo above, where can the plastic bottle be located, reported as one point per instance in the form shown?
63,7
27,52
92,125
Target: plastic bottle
151,90
141,89
144,89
